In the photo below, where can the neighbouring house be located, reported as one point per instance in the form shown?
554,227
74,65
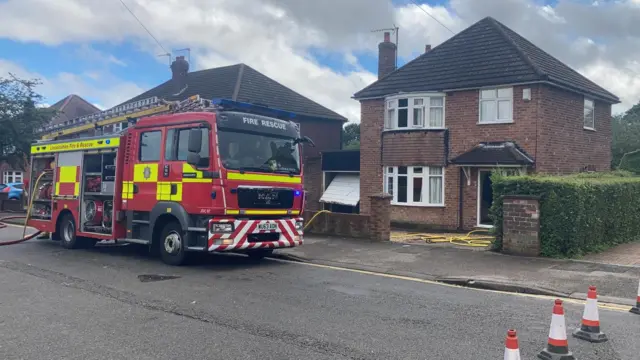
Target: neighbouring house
244,84
432,130
70,107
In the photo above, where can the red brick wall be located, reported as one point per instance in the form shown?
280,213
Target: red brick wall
407,148
326,134
312,167
371,124
521,226
568,147
462,114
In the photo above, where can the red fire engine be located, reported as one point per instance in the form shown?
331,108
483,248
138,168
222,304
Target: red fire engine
214,178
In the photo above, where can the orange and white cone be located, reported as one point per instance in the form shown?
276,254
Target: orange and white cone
511,349
636,309
590,327
557,346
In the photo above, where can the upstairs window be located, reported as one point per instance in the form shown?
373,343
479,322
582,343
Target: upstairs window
496,105
415,112
589,121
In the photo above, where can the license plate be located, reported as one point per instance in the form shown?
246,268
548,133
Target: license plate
267,226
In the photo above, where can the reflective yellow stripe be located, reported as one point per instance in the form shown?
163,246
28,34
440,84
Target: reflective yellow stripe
67,174
57,188
198,176
263,212
75,145
264,178
163,191
76,189
145,173
127,190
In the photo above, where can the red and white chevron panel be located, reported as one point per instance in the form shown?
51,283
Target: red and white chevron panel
288,235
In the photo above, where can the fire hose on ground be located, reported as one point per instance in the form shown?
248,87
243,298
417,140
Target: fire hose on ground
25,237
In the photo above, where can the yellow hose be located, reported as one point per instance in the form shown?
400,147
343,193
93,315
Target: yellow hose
33,196
313,217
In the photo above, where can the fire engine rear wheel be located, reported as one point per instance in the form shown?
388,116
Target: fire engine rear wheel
171,244
67,231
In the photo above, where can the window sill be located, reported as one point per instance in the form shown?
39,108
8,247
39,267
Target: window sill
495,123
413,129
588,129
417,205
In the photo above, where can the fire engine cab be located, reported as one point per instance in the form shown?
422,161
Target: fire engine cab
208,179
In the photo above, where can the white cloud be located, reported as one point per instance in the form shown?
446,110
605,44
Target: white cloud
276,37
108,91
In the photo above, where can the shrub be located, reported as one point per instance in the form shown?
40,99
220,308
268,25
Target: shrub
579,214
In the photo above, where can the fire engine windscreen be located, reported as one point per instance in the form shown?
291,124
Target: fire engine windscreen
258,152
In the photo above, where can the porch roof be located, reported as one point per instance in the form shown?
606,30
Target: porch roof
505,153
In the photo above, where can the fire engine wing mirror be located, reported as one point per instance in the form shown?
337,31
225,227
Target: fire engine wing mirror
193,159
305,139
195,140
308,140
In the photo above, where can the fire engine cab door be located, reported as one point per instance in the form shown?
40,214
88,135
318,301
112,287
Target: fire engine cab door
181,182
145,166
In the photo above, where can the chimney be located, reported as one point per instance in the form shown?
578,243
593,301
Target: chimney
386,56
427,48
179,71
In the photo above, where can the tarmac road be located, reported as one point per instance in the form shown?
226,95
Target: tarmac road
115,303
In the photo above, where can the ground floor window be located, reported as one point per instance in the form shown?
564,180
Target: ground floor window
12,177
415,185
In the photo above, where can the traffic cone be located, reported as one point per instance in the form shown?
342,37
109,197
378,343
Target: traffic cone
590,328
511,349
557,347
636,309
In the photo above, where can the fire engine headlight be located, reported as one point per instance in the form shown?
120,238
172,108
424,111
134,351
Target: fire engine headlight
299,225
221,228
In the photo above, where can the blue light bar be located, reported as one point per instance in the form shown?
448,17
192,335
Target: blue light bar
253,108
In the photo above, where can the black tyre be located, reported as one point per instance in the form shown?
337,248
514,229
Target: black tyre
171,245
67,233
259,254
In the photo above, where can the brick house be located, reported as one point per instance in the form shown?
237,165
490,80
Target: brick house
72,106
487,98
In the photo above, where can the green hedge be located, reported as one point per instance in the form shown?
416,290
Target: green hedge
579,214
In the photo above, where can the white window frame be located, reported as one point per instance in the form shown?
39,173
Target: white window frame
415,102
14,175
392,172
496,99
591,105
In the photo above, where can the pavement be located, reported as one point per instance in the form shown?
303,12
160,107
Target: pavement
116,303
471,267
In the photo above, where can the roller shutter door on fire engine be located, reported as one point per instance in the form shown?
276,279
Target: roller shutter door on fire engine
68,174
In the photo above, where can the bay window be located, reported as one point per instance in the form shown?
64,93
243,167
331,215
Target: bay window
589,121
496,106
415,185
415,112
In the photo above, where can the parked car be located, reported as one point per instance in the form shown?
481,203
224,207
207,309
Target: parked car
15,190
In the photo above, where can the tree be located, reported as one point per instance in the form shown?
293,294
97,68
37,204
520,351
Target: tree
626,134
351,136
19,117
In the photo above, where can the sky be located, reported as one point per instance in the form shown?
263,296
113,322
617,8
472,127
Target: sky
325,50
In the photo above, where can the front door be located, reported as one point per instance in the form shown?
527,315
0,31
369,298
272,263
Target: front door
485,198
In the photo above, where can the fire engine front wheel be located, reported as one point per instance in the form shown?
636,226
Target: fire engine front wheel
171,244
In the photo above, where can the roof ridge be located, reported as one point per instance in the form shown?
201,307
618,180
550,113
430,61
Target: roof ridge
500,28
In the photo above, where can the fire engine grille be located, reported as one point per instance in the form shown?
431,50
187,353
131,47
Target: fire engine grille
265,198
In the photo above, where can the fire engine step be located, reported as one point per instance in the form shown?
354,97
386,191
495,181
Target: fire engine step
136,241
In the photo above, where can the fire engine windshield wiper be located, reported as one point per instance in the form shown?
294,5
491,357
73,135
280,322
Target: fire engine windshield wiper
255,168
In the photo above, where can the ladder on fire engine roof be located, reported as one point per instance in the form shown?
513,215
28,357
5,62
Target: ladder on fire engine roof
149,107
